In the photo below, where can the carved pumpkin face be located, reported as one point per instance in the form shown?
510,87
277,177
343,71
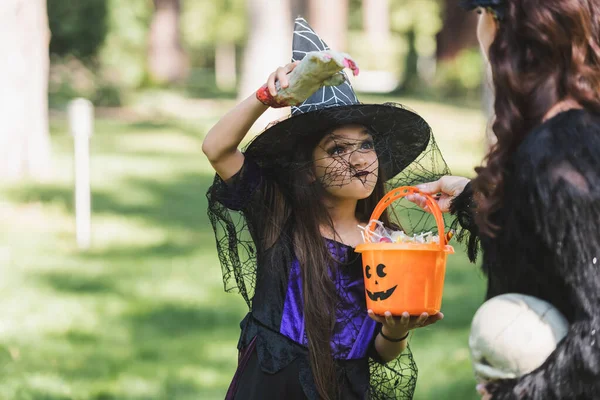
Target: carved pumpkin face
375,275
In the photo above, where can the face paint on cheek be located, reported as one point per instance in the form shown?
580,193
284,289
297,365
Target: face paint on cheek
336,174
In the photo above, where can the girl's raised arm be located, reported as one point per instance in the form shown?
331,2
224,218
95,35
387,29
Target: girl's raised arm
221,142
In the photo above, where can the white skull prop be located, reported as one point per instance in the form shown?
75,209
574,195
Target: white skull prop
513,334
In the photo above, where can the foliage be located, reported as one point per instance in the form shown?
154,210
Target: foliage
114,34
123,56
461,77
78,27
410,52
211,22
70,78
107,95
206,24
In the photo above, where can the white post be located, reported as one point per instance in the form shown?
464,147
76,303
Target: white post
81,122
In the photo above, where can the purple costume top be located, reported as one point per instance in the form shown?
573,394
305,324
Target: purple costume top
354,330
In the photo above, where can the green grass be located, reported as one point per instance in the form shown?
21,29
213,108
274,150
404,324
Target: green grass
142,315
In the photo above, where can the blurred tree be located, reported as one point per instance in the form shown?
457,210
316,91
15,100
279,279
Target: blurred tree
167,62
225,65
330,20
269,46
376,23
214,32
124,55
299,8
269,42
418,22
227,33
79,27
411,79
457,33
24,43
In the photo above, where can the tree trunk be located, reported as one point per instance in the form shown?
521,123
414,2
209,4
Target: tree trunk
376,22
458,31
299,8
269,46
167,62
329,19
411,79
225,70
24,44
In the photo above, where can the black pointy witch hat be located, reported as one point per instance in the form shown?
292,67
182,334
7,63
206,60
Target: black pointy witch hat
400,135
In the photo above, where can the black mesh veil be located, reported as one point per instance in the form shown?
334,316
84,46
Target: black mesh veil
407,154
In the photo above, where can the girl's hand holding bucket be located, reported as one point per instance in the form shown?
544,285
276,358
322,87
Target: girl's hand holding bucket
398,327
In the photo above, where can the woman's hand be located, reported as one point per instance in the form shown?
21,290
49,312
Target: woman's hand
444,190
398,327
484,393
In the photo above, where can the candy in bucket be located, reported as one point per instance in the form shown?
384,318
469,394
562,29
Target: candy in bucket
404,272
381,234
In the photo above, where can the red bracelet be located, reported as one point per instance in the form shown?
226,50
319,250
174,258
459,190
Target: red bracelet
264,96
389,339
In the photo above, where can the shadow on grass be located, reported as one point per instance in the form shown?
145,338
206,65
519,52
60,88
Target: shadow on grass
164,348
179,202
462,387
166,250
78,283
175,320
150,126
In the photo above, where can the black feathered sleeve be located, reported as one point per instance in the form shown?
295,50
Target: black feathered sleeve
563,203
234,210
463,208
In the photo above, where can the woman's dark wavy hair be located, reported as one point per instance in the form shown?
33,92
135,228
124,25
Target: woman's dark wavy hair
544,51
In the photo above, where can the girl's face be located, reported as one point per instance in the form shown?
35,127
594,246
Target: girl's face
486,30
346,163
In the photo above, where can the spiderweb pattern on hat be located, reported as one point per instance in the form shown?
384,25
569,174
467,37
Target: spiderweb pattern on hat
306,40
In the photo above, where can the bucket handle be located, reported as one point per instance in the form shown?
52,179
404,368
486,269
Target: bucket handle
403,191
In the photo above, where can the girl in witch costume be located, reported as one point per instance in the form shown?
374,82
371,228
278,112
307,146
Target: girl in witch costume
285,213
535,204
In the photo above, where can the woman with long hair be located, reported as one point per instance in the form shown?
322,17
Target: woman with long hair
535,203
285,213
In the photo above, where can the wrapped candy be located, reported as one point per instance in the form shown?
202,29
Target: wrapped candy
381,234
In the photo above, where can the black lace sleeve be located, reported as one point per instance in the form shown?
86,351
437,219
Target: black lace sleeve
563,196
395,379
236,192
463,208
234,213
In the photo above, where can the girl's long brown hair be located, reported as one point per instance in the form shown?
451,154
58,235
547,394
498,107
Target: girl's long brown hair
318,270
544,51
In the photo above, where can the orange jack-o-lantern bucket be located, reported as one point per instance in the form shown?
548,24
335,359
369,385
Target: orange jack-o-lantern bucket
403,277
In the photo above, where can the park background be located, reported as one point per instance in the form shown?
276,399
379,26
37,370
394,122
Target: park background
141,313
